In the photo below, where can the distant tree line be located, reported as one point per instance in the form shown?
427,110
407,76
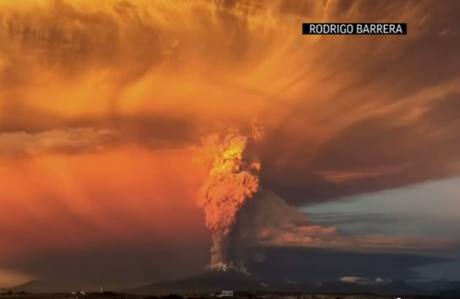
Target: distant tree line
110,295
11,293
171,296
123,296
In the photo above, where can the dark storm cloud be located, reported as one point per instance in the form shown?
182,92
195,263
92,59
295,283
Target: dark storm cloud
372,156
301,264
138,263
419,150
71,141
89,135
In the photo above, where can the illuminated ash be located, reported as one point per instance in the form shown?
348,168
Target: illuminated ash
233,180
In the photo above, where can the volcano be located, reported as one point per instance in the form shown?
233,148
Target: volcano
211,281
218,280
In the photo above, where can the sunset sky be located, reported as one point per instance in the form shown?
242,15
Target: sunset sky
103,104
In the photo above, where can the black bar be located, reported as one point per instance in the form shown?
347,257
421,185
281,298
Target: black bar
354,28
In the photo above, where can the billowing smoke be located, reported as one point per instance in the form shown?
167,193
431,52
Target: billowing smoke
233,180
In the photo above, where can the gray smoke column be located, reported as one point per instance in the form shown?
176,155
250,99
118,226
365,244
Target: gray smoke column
233,180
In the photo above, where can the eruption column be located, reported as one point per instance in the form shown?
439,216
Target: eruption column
232,181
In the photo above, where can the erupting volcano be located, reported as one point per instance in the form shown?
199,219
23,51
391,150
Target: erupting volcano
233,180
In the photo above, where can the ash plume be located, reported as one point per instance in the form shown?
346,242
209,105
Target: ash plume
232,181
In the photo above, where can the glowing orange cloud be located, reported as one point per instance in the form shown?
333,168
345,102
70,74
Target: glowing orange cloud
342,177
56,201
235,67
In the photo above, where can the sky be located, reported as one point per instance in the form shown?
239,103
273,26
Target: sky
428,209
104,103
